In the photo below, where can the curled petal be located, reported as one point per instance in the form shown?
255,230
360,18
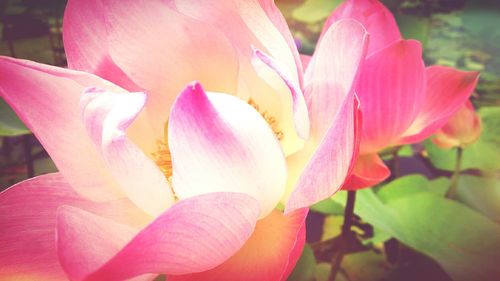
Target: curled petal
447,90
220,143
194,235
46,98
368,171
107,116
332,161
374,16
28,220
391,90
300,114
269,255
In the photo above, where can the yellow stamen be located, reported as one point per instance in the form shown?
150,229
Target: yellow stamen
273,123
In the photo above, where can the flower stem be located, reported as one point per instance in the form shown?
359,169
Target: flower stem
452,191
346,234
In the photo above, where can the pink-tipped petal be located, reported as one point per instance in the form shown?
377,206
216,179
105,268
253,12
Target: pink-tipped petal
374,16
447,90
107,116
368,171
391,90
28,220
220,143
46,98
332,161
300,114
274,248
333,73
194,235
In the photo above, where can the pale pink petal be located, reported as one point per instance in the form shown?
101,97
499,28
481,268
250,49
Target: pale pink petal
158,48
332,161
107,116
305,59
85,42
28,220
253,22
332,75
274,248
279,21
368,171
447,90
376,18
219,143
46,98
391,91
300,114
194,235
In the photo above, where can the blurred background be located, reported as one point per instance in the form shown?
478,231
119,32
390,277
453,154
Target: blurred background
460,33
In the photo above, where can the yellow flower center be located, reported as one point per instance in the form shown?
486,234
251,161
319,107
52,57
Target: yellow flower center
273,123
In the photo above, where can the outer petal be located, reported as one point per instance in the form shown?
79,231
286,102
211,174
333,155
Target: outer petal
333,73
264,256
300,114
376,18
220,143
28,220
368,171
107,115
315,172
391,90
193,235
447,90
331,162
158,48
46,98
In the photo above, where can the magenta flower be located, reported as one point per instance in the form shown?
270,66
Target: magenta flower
402,101
156,182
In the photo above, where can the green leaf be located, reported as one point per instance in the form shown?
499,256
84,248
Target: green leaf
305,270
10,125
312,11
465,243
332,227
483,154
365,266
323,271
412,184
481,194
328,207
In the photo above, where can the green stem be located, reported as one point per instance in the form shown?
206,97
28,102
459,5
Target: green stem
346,234
452,191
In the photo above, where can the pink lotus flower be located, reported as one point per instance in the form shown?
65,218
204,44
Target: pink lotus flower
402,101
462,129
180,184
